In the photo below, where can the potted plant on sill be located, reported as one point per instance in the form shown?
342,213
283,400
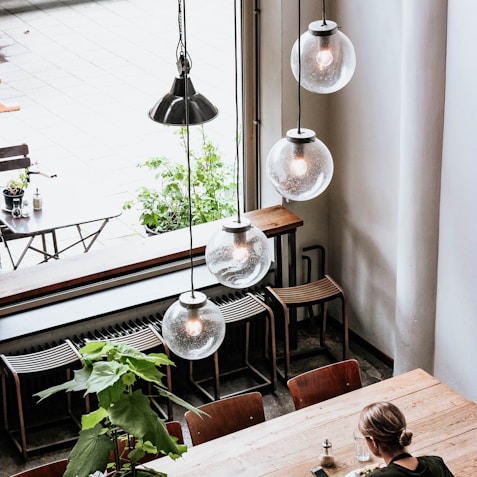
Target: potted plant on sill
15,188
124,423
166,207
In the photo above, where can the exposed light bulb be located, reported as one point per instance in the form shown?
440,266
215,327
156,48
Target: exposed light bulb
240,253
238,256
298,166
324,58
193,327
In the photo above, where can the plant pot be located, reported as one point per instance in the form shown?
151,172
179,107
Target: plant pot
9,198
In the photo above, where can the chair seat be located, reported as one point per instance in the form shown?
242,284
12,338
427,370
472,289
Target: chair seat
309,293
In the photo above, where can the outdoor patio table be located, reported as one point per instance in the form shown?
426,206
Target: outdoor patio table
56,215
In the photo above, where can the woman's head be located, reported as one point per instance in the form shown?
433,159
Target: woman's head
386,424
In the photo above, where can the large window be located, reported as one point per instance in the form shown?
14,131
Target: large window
85,75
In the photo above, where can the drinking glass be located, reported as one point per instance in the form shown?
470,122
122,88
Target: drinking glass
361,447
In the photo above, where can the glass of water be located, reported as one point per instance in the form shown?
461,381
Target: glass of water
361,446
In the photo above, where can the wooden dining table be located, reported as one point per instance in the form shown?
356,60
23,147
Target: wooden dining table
443,422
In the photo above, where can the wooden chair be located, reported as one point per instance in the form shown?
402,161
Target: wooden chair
145,339
19,374
12,158
243,311
225,416
324,383
283,300
52,469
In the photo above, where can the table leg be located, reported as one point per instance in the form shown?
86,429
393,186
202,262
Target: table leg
291,283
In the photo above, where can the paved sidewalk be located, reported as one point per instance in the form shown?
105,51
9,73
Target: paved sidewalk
84,75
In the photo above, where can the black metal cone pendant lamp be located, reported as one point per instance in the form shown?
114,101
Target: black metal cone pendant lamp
171,109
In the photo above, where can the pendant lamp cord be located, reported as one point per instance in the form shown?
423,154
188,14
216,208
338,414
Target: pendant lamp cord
299,68
323,10
237,139
186,104
183,59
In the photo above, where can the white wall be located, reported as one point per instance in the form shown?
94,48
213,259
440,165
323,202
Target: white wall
358,218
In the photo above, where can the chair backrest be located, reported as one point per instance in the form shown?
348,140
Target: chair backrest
225,416
142,339
52,469
39,361
14,157
324,383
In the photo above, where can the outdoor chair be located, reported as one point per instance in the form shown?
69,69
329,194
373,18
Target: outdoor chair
225,416
324,383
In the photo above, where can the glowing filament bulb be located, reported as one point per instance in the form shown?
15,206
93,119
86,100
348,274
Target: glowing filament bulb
240,254
193,326
324,58
299,166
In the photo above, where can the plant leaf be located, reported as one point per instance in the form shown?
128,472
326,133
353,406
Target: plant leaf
78,383
105,374
90,454
133,414
90,420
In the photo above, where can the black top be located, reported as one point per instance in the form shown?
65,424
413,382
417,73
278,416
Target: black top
428,466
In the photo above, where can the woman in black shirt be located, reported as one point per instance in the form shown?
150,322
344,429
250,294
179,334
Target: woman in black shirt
384,427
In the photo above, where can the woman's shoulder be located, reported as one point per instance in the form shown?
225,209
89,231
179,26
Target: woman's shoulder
436,465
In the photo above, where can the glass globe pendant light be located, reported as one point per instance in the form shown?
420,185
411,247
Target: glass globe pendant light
299,166
327,57
193,327
238,256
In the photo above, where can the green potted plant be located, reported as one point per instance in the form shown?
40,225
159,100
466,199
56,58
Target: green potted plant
15,188
124,424
166,207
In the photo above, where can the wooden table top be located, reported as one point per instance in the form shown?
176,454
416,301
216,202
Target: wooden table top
443,422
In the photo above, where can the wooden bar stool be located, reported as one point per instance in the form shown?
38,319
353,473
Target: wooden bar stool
243,312
322,291
17,374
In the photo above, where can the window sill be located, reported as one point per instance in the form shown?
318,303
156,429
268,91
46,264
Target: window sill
31,287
